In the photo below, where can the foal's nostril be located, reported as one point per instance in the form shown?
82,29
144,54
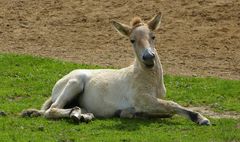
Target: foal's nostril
153,55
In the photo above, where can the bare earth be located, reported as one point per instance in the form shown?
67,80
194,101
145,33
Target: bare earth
199,38
208,112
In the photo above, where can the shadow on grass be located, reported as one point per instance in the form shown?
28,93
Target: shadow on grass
136,124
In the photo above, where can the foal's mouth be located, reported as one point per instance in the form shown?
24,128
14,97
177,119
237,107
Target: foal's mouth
149,65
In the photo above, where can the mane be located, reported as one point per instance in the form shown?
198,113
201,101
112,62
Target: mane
136,21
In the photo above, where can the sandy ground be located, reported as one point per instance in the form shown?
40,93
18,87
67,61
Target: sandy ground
196,38
207,111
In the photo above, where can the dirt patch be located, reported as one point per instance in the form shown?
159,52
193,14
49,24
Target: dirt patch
200,38
206,111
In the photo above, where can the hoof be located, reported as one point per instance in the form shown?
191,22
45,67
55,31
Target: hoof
87,117
205,122
2,113
30,113
75,114
75,118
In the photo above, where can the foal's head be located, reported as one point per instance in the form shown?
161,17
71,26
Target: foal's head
142,38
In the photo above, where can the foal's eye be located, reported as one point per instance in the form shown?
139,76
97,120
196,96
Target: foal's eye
132,41
153,37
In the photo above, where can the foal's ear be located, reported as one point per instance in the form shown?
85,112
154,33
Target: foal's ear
154,23
122,28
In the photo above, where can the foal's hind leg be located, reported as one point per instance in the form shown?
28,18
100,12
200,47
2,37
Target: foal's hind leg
76,114
72,88
35,112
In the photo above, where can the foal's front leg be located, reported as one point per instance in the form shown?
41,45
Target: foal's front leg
150,104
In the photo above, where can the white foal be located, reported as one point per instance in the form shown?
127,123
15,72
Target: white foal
134,91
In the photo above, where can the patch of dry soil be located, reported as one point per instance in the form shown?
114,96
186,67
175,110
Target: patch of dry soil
200,37
206,111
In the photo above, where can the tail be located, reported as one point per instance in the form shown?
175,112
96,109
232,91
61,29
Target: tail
35,112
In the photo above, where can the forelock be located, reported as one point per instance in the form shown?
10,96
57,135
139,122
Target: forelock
136,21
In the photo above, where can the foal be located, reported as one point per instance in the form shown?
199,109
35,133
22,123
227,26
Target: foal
134,91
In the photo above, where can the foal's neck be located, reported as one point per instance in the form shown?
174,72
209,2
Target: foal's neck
153,76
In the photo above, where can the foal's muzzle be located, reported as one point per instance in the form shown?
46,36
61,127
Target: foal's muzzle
148,57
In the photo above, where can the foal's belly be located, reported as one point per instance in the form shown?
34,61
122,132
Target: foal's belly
103,96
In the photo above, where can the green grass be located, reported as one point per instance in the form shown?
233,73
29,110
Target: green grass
219,94
27,81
